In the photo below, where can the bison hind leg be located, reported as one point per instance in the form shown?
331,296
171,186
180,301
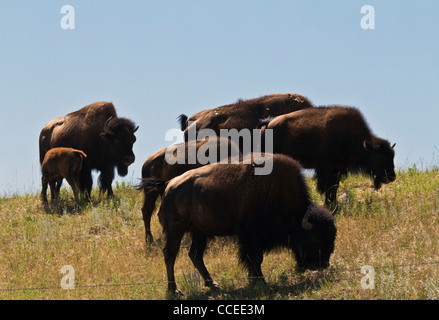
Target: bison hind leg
74,184
55,186
196,252
173,237
147,211
44,193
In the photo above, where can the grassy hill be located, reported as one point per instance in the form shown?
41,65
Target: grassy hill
395,230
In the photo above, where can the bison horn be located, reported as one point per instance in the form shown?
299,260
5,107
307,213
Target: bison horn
135,129
306,225
107,130
394,145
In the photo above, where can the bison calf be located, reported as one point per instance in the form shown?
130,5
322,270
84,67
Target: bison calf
264,212
59,164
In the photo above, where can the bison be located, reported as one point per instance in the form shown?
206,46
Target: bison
244,114
158,166
98,131
59,164
333,140
263,212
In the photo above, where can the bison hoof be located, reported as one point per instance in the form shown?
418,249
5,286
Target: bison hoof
257,282
149,239
300,269
174,294
212,284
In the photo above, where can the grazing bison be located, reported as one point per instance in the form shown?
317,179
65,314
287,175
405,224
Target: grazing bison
243,114
263,211
334,141
158,166
59,164
96,129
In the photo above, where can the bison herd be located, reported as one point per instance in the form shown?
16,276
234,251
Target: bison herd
227,197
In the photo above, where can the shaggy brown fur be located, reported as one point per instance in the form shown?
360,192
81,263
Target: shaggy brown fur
106,139
245,114
263,211
59,164
333,140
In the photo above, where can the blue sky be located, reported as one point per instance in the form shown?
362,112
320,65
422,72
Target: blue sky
157,59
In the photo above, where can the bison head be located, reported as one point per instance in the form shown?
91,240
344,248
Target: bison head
316,241
380,164
119,136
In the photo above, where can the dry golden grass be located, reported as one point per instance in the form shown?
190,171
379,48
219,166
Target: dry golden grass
395,230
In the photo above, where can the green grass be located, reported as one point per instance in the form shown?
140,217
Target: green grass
395,230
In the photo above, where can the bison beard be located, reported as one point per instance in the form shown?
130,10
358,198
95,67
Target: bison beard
122,170
268,212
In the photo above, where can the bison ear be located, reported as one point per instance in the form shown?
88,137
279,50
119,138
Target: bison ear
306,225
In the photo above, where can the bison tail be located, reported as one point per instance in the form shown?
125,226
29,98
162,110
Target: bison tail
152,185
182,118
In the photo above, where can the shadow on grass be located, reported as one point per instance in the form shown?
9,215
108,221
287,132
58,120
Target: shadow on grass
65,203
283,287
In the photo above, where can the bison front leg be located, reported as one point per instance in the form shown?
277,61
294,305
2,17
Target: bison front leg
252,259
196,252
327,184
105,180
58,185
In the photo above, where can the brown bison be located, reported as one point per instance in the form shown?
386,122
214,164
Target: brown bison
98,131
244,114
157,165
334,141
59,164
263,212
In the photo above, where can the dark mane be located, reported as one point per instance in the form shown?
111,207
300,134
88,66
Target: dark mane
116,123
